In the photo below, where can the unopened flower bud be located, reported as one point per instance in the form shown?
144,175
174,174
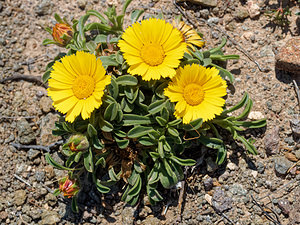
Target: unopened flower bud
62,33
77,143
68,187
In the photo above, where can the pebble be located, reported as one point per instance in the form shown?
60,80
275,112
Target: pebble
44,8
25,132
128,215
220,202
285,207
40,176
20,197
295,126
45,104
211,165
47,125
32,153
214,20
282,165
204,13
49,218
272,141
253,9
208,184
207,3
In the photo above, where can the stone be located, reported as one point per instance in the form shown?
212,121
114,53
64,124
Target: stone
20,197
211,165
214,20
47,125
231,166
49,218
220,202
207,3
32,153
267,51
255,115
295,126
3,215
150,220
45,104
81,4
241,13
288,56
40,176
208,184
282,165
50,199
25,132
128,215
294,214
44,8
272,141
285,207
253,9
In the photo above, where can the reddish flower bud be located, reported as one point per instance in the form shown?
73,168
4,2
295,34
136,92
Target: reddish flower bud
69,187
77,143
62,33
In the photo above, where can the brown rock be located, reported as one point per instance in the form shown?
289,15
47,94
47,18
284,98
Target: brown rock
288,57
272,142
45,104
20,197
47,125
207,3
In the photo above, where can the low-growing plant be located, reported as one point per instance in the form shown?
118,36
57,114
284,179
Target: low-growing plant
132,102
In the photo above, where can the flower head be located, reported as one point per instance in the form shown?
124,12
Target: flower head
198,92
188,34
62,33
77,143
152,48
77,84
69,187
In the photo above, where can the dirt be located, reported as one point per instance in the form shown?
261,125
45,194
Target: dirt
246,189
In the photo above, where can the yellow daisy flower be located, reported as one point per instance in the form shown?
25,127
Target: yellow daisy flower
188,34
77,84
198,92
152,48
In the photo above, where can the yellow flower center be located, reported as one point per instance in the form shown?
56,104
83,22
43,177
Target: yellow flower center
193,94
152,54
83,86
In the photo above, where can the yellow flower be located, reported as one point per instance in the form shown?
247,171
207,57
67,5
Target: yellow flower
188,34
77,84
198,92
152,48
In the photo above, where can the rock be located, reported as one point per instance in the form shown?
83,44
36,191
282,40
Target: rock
297,154
207,3
81,4
49,218
208,198
220,202
128,215
150,220
208,184
231,166
247,35
284,205
294,214
45,104
3,215
204,13
20,197
238,189
255,115
295,126
44,8
267,51
211,165
214,20
241,13
50,199
282,165
272,141
25,132
288,57
32,153
40,176
47,125
253,9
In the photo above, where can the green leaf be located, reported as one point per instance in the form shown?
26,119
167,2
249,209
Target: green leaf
139,131
224,73
174,123
133,119
135,14
122,143
246,111
138,167
101,162
113,89
46,76
126,106
108,61
222,154
56,192
105,125
49,41
154,155
135,190
74,205
120,133
100,187
218,48
81,30
251,124
91,46
100,27
183,162
97,14
194,125
112,175
147,141
97,143
250,148
165,178
77,157
161,121
172,131
206,62
126,4
155,107
127,80
160,149
53,163
239,105
154,195
88,161
224,57
91,130
111,111
165,114
159,91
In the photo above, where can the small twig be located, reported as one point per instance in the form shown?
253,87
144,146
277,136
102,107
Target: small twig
39,147
295,164
268,216
166,209
297,92
227,218
21,179
28,78
221,31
